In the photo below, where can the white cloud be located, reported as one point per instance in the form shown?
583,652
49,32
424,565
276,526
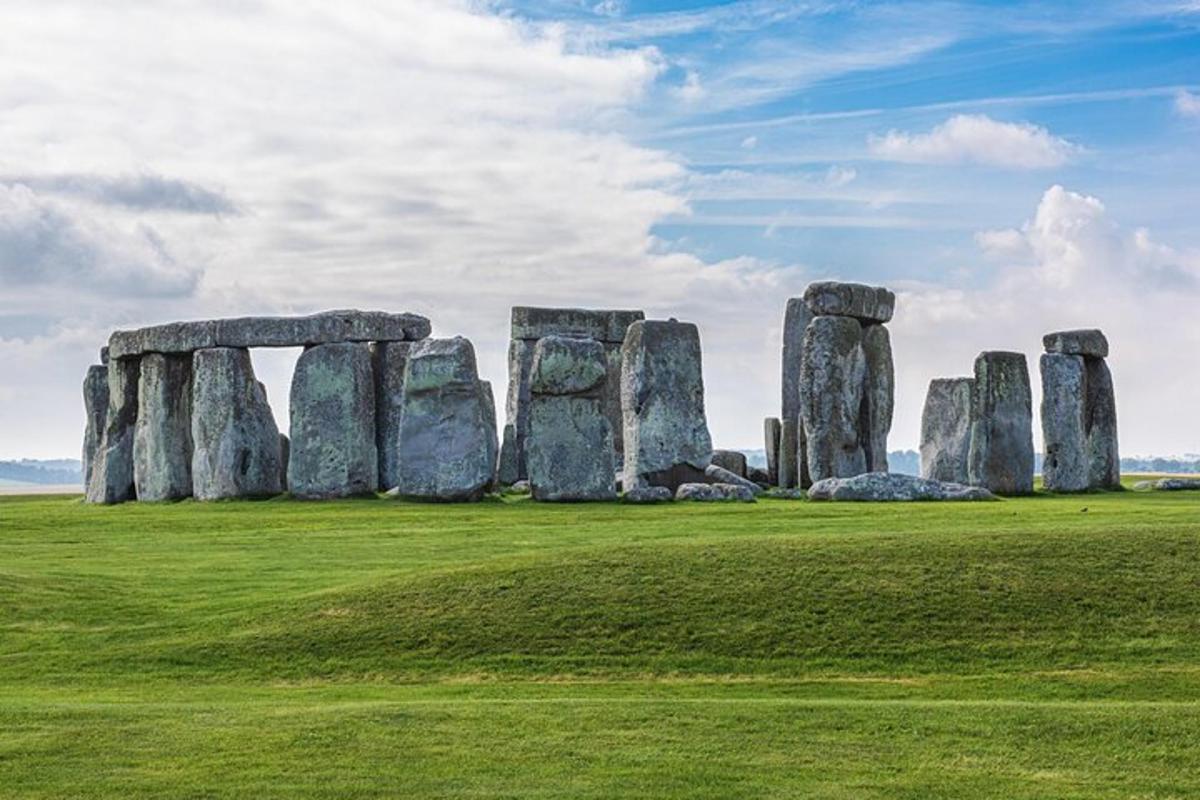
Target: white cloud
750,142
1187,104
979,139
692,90
840,176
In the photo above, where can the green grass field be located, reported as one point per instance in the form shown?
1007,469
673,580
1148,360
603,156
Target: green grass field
1046,647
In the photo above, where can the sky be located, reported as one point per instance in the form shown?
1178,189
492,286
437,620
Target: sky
1008,169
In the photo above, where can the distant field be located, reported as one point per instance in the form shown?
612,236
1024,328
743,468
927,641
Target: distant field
1046,647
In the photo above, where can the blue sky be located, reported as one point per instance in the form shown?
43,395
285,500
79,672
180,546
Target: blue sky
1007,168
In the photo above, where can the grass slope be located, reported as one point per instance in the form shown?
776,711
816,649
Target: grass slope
1041,647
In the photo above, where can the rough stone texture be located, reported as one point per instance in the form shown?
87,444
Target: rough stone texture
516,406
718,474
1168,485
447,447
662,399
1001,453
946,430
506,470
787,494
886,487
1104,457
602,325
731,460
1086,342
324,328
388,360
759,476
112,468
235,442
104,355
490,422
95,405
569,447
162,442
1064,422
285,457
793,457
649,494
333,450
832,381
771,433
865,303
714,492
875,418
791,454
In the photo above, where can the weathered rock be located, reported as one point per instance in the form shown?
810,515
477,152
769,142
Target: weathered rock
865,303
492,434
104,355
285,456
602,325
162,442
718,474
333,450
1168,485
787,494
886,487
875,420
714,492
832,382
731,460
520,368
388,360
791,453
1001,453
1104,457
649,494
447,447
662,399
112,468
946,430
235,442
506,471
759,476
95,405
1064,423
324,328
793,456
1086,342
771,432
569,449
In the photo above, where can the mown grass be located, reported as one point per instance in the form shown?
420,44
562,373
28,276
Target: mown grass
1040,647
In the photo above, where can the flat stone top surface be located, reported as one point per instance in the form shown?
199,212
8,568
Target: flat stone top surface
838,299
602,325
1084,342
324,328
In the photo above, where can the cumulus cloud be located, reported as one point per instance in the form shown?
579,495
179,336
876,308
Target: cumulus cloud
137,192
978,139
1187,104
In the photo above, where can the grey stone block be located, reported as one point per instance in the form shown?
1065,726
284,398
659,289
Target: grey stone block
946,430
832,381
879,388
112,469
1001,453
865,303
1084,342
162,443
95,406
885,487
388,360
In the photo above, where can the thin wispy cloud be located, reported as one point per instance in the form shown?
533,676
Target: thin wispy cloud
1187,104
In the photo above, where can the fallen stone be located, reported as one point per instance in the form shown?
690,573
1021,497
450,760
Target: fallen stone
235,442
731,460
718,474
771,432
865,303
889,487
1001,453
447,446
388,360
520,487
832,382
1085,342
1168,485
1064,423
879,384
95,405
162,442
112,468
333,450
946,430
648,494
714,492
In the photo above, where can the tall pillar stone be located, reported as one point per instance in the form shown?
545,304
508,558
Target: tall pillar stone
112,470
667,442
235,441
875,419
1079,418
333,451
95,405
491,422
388,360
946,430
162,443
792,456
832,374
1001,453
1104,470
771,431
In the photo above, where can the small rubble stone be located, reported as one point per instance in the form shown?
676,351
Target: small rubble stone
787,494
648,494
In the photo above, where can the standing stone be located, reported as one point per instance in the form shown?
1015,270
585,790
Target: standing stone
516,406
333,451
489,418
832,381
112,470
667,442
1001,454
570,443
792,457
162,443
235,442
1104,455
95,404
1064,423
946,430
447,449
878,396
771,431
388,360
285,457
731,460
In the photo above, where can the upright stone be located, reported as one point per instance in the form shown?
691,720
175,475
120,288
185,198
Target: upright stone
875,421
771,444
1104,457
235,442
1001,455
112,470
796,317
388,360
946,430
1064,423
95,405
162,443
570,443
447,449
832,382
520,364
731,460
667,442
489,419
333,450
